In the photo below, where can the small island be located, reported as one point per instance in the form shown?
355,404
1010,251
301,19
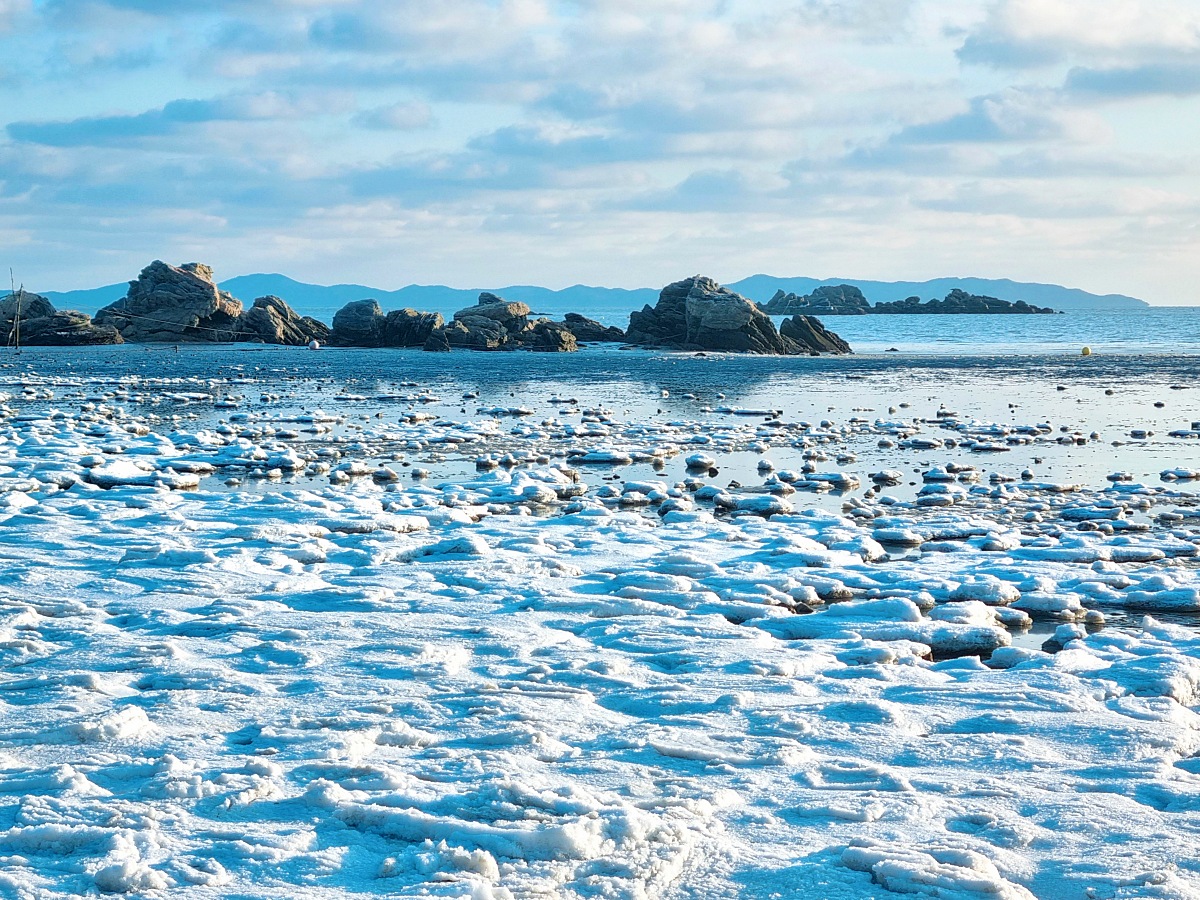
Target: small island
848,300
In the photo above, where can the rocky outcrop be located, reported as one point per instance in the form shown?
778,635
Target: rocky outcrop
699,314
358,324
474,333
498,324
550,336
592,332
271,321
808,332
827,300
959,302
513,317
42,325
410,328
174,304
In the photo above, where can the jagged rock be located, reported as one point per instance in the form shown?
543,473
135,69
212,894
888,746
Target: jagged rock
410,328
437,342
826,300
809,333
475,333
699,314
591,331
359,323
272,321
959,302
43,325
174,304
551,337
512,316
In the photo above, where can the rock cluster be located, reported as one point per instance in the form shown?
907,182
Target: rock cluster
494,323
959,302
363,323
827,300
699,314
42,325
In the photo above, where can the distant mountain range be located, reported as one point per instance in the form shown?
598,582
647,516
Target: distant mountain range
606,304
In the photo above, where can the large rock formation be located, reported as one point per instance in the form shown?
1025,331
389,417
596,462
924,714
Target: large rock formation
272,321
174,304
410,328
591,331
358,324
827,300
550,336
699,314
959,302
808,331
513,317
42,325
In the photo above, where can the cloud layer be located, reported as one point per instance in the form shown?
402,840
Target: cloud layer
484,142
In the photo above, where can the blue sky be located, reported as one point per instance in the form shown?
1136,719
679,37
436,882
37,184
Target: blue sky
625,143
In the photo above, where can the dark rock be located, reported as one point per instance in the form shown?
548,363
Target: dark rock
551,336
809,333
30,306
699,314
959,302
410,328
513,317
358,324
475,333
271,321
174,304
42,325
591,331
826,300
498,324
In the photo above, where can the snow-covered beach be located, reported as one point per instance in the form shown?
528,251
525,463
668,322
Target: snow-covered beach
281,623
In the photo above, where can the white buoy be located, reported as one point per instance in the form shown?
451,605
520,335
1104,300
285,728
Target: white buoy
1087,351
316,345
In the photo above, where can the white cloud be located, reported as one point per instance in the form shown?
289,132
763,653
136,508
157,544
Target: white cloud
602,131
1020,33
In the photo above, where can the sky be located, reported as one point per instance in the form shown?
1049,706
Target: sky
625,143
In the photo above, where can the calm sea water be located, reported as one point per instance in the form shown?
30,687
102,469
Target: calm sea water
1155,330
